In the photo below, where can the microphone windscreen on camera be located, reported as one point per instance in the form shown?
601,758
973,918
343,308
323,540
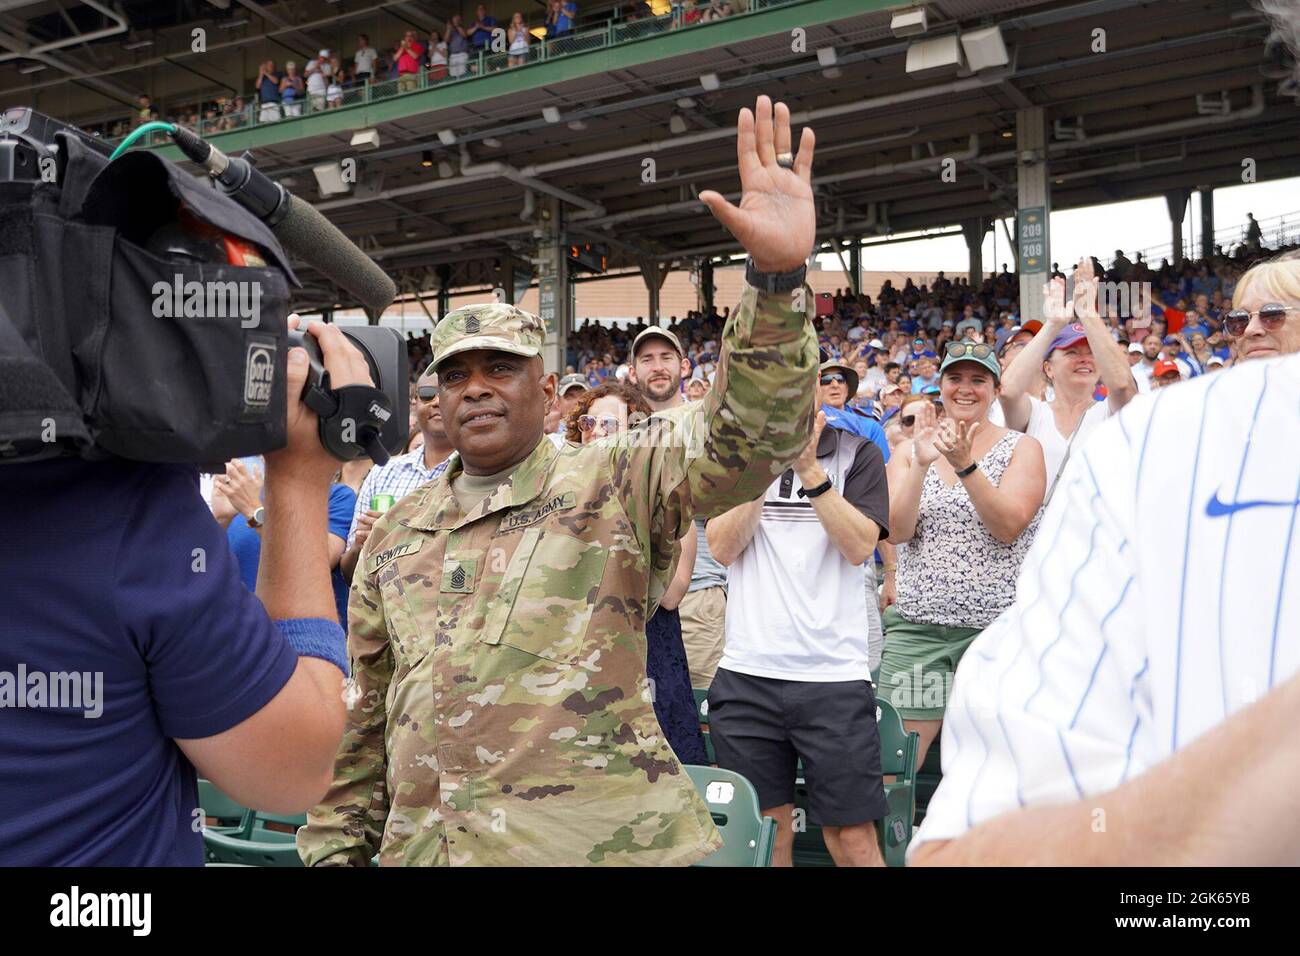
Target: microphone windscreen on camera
311,237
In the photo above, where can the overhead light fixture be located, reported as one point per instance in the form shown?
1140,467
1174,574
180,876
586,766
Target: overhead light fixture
426,159
985,49
31,68
832,73
445,170
710,82
447,137
826,56
909,23
1008,134
1060,182
676,123
329,179
137,44
577,124
410,233
231,24
686,102
366,139
550,114
491,142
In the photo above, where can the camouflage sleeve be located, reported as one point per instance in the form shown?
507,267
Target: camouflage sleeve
346,828
706,457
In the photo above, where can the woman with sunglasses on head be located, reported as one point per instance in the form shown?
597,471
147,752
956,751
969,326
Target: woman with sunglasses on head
1075,350
608,410
964,496
1264,321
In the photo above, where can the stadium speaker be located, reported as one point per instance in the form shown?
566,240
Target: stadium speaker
938,55
909,23
984,49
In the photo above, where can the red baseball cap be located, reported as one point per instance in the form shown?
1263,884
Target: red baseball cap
1164,367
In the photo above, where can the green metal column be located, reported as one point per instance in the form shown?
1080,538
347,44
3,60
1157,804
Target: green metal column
444,290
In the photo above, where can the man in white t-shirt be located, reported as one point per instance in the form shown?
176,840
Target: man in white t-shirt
794,680
318,72
1128,709
363,61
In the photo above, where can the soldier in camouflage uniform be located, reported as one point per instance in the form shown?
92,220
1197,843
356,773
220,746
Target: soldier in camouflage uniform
499,713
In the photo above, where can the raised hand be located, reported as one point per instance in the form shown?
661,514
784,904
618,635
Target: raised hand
1085,290
925,435
806,463
1055,311
954,442
776,221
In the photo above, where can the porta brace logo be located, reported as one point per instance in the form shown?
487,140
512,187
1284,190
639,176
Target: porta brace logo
259,374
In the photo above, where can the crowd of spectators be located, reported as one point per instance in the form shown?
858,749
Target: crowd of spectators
944,422
280,89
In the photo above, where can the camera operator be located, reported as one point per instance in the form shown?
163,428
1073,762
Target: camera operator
130,650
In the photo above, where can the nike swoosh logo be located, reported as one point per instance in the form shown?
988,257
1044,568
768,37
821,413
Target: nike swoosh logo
1214,508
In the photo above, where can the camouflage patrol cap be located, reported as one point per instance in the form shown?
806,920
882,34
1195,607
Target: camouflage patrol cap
574,381
490,325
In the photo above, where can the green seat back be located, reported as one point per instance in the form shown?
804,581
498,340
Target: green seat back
898,759
228,814
228,848
747,835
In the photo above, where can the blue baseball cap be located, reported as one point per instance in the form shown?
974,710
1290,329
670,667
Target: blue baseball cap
1072,334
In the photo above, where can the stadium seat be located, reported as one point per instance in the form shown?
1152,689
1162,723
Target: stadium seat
897,759
229,815
224,848
747,836
262,839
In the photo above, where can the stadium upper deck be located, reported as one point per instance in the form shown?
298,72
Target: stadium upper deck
605,136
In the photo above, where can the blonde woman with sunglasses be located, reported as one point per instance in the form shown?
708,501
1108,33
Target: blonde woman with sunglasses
1264,321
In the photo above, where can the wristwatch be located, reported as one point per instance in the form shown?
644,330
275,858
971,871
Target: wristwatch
258,518
773,282
821,489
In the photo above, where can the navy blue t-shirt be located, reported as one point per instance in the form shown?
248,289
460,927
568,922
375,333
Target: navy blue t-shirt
246,544
118,568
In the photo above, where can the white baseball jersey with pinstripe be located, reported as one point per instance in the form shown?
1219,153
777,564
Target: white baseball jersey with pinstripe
1161,595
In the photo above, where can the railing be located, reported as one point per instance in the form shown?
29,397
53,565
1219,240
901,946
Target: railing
614,32
1277,232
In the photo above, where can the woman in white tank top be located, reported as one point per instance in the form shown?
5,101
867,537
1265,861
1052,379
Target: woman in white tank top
1075,351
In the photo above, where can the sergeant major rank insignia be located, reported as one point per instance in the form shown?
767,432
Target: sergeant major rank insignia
458,575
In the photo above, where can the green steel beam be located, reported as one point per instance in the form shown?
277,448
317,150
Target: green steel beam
504,83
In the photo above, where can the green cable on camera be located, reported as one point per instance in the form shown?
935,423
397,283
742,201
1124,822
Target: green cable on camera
137,133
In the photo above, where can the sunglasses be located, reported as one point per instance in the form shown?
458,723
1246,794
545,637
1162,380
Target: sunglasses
426,394
609,423
833,377
1271,317
979,350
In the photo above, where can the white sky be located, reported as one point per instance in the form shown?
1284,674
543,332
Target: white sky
1099,230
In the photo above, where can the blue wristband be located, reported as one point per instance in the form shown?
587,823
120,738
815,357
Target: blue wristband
317,637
